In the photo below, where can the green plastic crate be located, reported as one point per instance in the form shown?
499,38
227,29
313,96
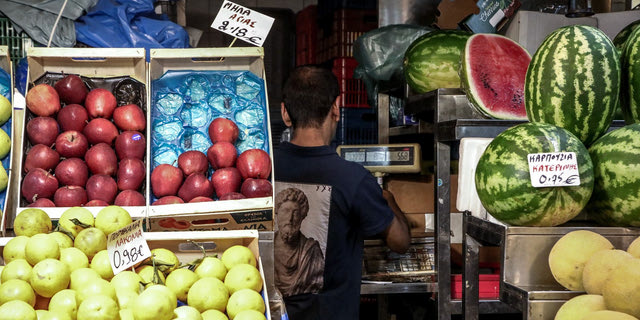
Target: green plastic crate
18,42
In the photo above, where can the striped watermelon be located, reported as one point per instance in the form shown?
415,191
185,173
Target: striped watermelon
504,185
433,60
630,87
493,72
623,35
616,168
573,82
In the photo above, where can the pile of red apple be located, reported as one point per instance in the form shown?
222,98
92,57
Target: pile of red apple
234,176
89,152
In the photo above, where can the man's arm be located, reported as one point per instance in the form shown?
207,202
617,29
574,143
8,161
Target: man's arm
397,235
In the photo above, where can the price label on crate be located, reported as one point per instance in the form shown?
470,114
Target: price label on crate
556,169
243,23
127,247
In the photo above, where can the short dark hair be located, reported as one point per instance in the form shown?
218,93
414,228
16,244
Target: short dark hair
308,95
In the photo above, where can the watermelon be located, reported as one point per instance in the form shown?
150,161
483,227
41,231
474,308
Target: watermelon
630,87
624,34
616,163
433,60
504,184
493,72
573,82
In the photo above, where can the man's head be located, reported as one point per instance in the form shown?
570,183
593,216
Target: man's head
308,96
291,207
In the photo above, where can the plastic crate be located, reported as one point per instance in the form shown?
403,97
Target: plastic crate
353,93
346,26
306,35
18,42
489,286
328,8
357,126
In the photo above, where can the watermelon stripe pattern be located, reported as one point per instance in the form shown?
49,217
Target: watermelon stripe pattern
573,82
433,60
616,168
504,185
630,96
624,34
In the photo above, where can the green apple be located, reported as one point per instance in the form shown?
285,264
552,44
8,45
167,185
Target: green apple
126,314
16,269
14,249
250,315
98,307
31,221
41,246
83,215
208,293
4,178
112,218
81,277
64,301
63,240
187,313
17,309
16,289
53,315
74,258
237,254
5,110
165,260
49,276
211,267
179,281
171,297
127,281
214,314
100,263
126,298
244,299
95,287
153,305
91,241
243,276
5,144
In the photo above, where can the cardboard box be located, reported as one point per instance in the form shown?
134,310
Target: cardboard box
89,63
7,205
256,213
414,193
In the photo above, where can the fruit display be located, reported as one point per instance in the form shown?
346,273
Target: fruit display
573,82
503,180
66,273
84,142
433,60
493,70
624,34
6,111
630,99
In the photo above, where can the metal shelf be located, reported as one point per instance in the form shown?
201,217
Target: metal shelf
393,288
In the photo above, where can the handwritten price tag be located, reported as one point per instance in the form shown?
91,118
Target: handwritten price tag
242,23
557,169
127,247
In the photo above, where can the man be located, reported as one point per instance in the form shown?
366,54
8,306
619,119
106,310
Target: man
346,205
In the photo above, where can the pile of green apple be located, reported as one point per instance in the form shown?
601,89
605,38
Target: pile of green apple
65,273
5,140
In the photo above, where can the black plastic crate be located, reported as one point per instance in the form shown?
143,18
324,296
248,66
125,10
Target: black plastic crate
18,42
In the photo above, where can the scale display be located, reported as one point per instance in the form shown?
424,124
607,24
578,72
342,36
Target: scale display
391,158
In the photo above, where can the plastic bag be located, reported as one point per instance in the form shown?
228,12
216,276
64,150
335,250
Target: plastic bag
38,24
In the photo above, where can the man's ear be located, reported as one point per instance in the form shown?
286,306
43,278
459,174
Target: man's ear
335,110
285,115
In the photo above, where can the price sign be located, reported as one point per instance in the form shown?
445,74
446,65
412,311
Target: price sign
127,246
243,23
556,169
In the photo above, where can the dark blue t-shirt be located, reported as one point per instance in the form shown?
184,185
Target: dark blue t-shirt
319,274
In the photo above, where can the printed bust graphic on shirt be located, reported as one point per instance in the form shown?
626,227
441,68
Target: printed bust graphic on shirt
302,218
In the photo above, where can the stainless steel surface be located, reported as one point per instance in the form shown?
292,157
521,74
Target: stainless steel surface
265,244
484,307
417,12
393,288
441,105
383,118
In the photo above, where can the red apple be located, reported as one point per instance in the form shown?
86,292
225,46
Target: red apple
222,155
37,184
41,156
72,172
222,129
100,103
168,200
43,100
70,196
73,117
71,89
232,196
131,144
130,117
226,180
96,203
130,198
42,130
256,188
100,130
72,144
254,163
193,161
42,203
165,180
131,174
195,185
200,199
101,187
101,159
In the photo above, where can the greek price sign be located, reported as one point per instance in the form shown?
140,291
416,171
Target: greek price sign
127,246
242,23
556,169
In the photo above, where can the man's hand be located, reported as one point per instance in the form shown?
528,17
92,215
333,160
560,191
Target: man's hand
397,235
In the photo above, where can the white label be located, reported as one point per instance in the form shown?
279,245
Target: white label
127,247
243,23
496,18
557,169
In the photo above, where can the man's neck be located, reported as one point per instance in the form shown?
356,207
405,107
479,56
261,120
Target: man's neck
311,137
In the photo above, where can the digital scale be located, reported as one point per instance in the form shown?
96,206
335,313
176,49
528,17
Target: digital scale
382,159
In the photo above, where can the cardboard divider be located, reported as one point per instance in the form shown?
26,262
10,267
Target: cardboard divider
8,206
